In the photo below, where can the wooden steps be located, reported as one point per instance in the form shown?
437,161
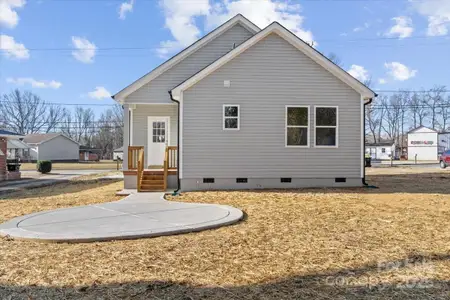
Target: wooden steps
152,181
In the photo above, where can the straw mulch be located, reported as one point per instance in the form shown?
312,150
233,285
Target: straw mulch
388,243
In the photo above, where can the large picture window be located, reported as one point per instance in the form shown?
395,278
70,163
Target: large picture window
231,115
326,129
297,126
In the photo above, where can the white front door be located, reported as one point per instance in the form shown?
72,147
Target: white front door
158,138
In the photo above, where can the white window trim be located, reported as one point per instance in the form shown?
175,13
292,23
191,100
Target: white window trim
336,126
238,117
302,126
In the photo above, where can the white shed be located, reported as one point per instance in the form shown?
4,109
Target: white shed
423,144
381,151
118,154
52,146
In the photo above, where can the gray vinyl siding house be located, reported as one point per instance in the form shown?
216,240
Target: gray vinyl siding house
264,75
52,146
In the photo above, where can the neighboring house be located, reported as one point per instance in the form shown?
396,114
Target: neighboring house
52,146
6,136
17,149
89,154
381,151
118,154
245,108
423,144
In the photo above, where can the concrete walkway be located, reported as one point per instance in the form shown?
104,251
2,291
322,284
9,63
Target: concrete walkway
137,216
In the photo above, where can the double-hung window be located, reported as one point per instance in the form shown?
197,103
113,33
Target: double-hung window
231,116
326,129
297,126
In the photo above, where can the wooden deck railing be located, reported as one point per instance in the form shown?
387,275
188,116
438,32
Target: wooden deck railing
166,166
140,168
133,156
172,153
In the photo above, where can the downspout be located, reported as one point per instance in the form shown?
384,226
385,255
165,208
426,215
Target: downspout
364,137
178,145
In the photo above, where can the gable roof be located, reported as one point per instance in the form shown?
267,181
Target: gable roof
238,19
119,149
39,138
16,144
421,127
291,38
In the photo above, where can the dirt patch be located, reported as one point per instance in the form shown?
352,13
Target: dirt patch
391,242
101,165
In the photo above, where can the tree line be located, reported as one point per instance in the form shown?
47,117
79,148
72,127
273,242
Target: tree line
26,113
390,117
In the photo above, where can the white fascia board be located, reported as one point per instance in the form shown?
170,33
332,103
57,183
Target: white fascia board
316,56
120,96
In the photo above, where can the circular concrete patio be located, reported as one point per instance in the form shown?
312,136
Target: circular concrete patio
137,216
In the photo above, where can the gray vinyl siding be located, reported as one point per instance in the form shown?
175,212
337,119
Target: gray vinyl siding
140,122
156,91
59,148
264,79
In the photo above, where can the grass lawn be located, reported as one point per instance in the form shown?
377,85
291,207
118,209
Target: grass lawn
386,243
100,165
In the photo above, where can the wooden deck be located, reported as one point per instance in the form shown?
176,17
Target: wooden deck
152,178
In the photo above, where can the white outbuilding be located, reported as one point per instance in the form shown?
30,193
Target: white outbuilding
423,144
381,151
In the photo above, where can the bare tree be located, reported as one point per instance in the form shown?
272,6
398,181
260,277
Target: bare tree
25,112
445,113
373,120
109,131
79,126
417,109
390,123
433,101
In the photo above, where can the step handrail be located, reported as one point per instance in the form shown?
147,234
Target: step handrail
140,168
166,166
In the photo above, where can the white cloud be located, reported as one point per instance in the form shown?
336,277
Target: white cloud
99,93
8,14
438,14
181,18
11,49
262,14
399,71
85,49
359,72
125,8
362,28
403,27
43,84
382,81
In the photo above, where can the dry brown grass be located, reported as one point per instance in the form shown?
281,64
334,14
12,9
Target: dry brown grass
101,165
292,244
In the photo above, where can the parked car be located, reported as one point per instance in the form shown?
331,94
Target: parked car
444,159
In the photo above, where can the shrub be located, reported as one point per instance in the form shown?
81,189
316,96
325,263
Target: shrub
44,166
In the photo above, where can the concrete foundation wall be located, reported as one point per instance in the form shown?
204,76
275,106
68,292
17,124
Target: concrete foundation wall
265,183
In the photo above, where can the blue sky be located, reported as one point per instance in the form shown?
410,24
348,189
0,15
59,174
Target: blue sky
399,44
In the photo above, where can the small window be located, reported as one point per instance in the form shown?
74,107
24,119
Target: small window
241,180
297,126
340,179
231,117
286,180
326,129
383,150
208,180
